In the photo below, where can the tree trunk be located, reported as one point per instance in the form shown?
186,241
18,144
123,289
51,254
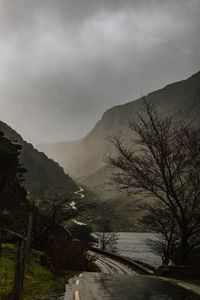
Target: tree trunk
1,239
56,258
28,240
19,270
184,250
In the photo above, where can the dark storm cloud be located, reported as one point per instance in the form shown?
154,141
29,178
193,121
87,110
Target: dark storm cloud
64,62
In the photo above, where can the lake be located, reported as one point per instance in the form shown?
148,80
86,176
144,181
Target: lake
132,245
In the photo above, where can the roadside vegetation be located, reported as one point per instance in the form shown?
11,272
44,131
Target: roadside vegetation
37,249
39,280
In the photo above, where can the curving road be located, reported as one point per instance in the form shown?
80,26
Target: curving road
110,266
80,193
97,286
118,282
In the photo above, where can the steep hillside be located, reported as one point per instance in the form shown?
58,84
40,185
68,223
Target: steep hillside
85,158
44,176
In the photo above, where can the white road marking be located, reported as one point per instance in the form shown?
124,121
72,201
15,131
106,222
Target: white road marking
80,275
77,295
77,282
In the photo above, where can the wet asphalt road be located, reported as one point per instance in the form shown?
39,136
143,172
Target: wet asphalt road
119,282
98,286
108,265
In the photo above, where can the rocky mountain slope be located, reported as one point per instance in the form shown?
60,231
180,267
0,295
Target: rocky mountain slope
84,159
43,176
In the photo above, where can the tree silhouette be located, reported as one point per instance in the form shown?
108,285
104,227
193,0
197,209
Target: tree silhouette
163,161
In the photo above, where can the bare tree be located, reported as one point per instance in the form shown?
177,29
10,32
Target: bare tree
164,163
162,221
53,213
107,239
58,208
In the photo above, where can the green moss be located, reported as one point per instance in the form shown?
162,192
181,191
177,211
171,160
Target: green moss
38,280
7,264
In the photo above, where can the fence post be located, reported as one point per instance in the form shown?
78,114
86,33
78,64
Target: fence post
19,269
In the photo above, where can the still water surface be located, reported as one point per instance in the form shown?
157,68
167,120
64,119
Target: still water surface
132,245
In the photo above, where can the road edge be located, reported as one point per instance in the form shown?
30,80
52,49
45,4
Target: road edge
136,266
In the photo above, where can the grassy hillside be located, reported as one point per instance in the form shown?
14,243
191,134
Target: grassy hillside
39,280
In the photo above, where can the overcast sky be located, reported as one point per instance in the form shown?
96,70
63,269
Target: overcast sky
64,62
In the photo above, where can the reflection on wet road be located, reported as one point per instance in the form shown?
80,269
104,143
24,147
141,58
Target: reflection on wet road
108,265
98,286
